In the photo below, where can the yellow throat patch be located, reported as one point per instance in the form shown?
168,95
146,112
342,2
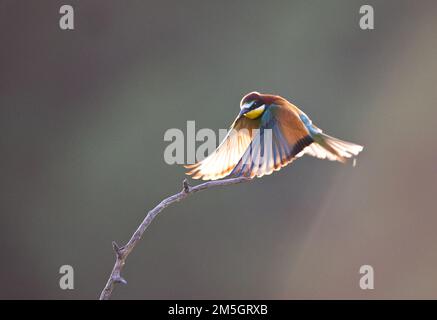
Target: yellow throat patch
255,113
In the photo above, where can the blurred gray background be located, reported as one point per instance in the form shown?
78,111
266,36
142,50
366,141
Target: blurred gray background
82,120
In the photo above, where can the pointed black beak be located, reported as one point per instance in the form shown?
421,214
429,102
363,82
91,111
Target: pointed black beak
242,112
245,108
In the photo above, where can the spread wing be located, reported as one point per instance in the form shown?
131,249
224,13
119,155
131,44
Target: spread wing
221,162
281,137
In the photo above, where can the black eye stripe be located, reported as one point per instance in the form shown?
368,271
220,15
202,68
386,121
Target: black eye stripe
255,105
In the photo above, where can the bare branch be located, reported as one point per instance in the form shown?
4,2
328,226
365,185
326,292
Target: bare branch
121,253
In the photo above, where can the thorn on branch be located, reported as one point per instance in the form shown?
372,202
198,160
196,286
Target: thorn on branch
186,186
120,280
117,249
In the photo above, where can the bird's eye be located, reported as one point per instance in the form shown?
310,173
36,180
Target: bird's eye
255,104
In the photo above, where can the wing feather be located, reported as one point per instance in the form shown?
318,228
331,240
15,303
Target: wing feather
271,150
221,162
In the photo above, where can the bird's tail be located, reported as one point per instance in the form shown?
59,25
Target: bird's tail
332,148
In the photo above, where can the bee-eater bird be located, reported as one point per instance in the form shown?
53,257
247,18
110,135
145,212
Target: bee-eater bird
250,150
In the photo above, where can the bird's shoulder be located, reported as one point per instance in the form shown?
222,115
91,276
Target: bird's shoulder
282,109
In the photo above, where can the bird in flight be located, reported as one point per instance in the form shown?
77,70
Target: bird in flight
269,133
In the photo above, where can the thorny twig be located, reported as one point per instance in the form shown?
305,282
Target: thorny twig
123,252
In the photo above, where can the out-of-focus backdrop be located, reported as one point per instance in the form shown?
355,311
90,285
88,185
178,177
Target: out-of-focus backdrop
83,116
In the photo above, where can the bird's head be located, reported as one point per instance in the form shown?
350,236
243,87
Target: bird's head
254,104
